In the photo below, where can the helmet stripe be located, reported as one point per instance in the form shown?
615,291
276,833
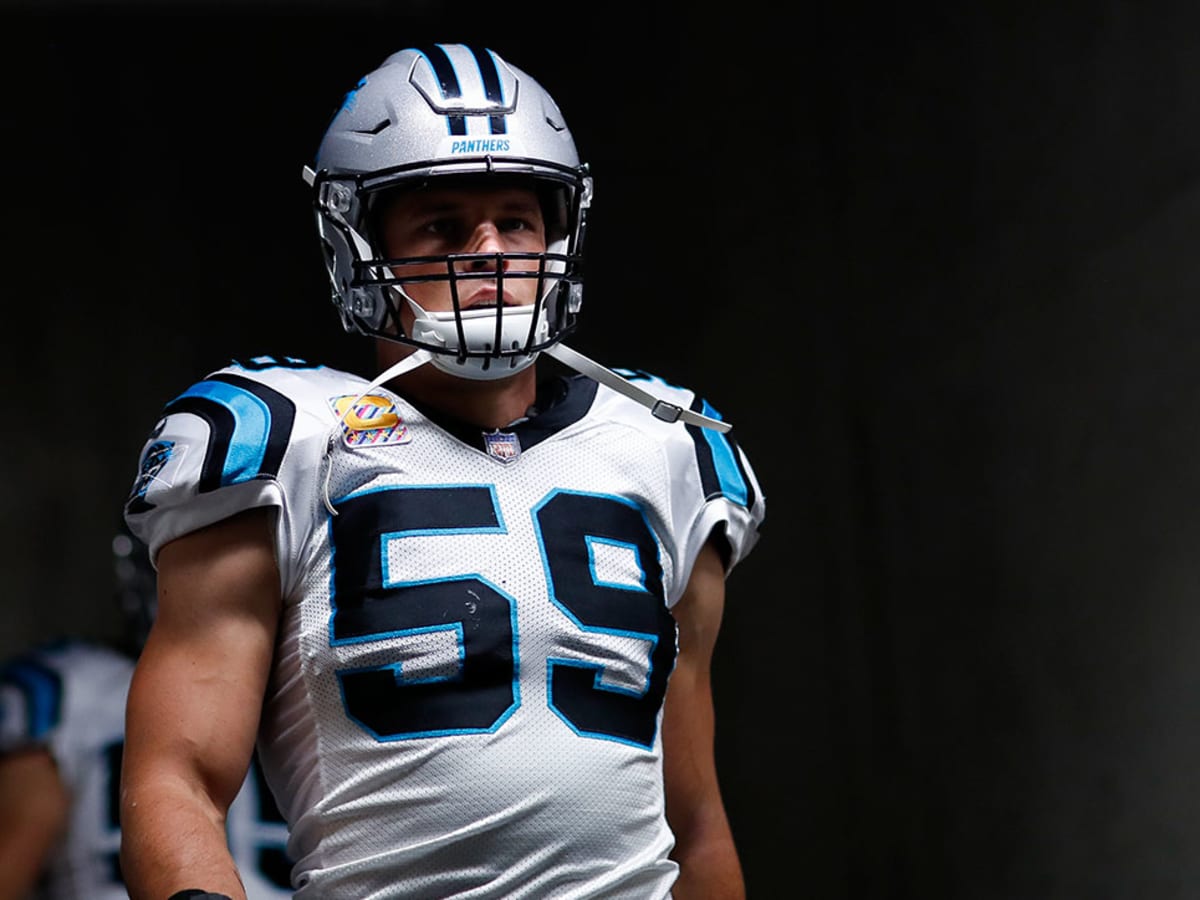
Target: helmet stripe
439,61
443,70
491,85
451,88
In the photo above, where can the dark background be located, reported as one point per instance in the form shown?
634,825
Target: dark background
937,264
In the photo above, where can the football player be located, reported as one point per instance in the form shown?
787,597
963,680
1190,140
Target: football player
467,607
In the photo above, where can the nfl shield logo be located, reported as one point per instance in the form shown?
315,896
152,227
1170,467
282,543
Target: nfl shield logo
502,446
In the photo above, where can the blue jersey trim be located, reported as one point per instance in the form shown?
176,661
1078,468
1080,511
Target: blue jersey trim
249,428
42,688
250,431
729,474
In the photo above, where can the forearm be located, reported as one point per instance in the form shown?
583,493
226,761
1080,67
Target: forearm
184,760
172,839
193,707
709,868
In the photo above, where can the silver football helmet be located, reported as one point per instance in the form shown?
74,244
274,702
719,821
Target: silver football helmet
440,112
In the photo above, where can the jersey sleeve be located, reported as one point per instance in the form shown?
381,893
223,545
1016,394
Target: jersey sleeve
718,492
714,490
240,439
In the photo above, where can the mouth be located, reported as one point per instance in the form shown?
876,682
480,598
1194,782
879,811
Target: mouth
487,298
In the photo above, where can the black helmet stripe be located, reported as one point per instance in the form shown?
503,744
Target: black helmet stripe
491,85
443,70
439,61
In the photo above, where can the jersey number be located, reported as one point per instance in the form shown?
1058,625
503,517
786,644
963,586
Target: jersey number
482,692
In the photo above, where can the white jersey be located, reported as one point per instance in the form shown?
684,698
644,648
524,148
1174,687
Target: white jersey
476,636
69,697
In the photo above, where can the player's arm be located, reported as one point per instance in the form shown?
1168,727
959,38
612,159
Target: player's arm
194,706
36,808
708,861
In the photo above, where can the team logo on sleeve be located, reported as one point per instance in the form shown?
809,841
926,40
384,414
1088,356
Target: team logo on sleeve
154,459
372,421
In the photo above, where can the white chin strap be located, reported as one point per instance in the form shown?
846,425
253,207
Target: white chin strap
659,408
414,360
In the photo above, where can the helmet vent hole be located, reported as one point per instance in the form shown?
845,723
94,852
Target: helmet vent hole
375,129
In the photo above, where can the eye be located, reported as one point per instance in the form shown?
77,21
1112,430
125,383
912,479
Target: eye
516,223
445,227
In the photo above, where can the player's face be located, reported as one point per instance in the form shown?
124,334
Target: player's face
437,221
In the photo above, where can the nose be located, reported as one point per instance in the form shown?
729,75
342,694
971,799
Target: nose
485,238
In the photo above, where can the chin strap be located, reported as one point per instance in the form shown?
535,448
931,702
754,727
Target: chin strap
412,361
659,408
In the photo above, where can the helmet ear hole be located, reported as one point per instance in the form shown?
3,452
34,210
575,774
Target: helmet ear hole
555,203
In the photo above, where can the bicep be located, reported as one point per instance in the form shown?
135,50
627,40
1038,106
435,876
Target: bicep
197,690
688,718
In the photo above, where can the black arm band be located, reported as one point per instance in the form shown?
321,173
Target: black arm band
193,894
